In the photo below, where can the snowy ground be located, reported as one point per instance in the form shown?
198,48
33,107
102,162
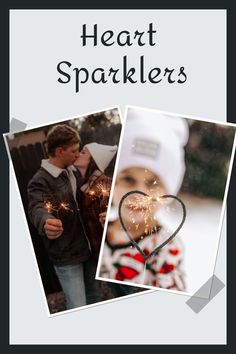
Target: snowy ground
200,234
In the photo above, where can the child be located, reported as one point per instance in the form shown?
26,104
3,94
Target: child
151,161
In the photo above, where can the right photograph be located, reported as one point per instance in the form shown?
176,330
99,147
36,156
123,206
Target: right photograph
168,201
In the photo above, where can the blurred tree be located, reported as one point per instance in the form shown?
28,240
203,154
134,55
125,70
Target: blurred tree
103,128
207,159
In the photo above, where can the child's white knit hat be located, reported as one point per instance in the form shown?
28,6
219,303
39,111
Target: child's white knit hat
155,141
102,154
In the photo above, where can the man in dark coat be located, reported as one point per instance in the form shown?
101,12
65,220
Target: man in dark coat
53,210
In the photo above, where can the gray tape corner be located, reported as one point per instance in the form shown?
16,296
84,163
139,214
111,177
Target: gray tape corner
205,294
17,125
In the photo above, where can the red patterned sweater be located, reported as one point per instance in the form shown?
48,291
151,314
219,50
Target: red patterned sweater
164,270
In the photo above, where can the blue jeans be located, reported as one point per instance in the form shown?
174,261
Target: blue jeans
92,286
71,278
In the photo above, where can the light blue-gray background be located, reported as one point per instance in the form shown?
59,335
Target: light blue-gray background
194,39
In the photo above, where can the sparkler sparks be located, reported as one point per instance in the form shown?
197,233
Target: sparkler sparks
101,191
145,205
62,206
49,206
65,206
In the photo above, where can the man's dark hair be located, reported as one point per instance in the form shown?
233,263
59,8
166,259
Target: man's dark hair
61,135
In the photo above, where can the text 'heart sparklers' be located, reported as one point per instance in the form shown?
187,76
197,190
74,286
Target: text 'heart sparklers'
149,200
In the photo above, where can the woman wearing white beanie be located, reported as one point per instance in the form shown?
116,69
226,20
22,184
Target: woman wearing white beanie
94,194
92,162
151,161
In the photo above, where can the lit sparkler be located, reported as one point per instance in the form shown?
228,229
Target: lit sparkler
91,192
49,206
62,206
145,205
65,206
102,191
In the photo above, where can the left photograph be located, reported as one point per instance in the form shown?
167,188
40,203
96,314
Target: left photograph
64,173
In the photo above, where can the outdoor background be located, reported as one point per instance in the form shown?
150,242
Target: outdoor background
207,156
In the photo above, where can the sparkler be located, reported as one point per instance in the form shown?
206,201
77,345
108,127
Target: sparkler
61,206
101,191
65,206
145,205
49,206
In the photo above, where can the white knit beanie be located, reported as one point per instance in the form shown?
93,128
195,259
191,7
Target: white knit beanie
102,154
155,141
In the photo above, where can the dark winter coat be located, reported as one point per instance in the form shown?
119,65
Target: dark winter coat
44,189
94,202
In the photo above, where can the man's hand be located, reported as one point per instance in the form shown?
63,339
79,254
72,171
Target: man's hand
53,228
102,218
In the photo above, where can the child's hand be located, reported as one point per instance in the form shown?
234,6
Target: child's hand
53,228
102,218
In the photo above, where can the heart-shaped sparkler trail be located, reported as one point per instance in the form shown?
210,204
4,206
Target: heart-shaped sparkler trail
152,199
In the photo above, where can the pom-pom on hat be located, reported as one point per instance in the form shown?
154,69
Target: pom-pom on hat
155,141
102,154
